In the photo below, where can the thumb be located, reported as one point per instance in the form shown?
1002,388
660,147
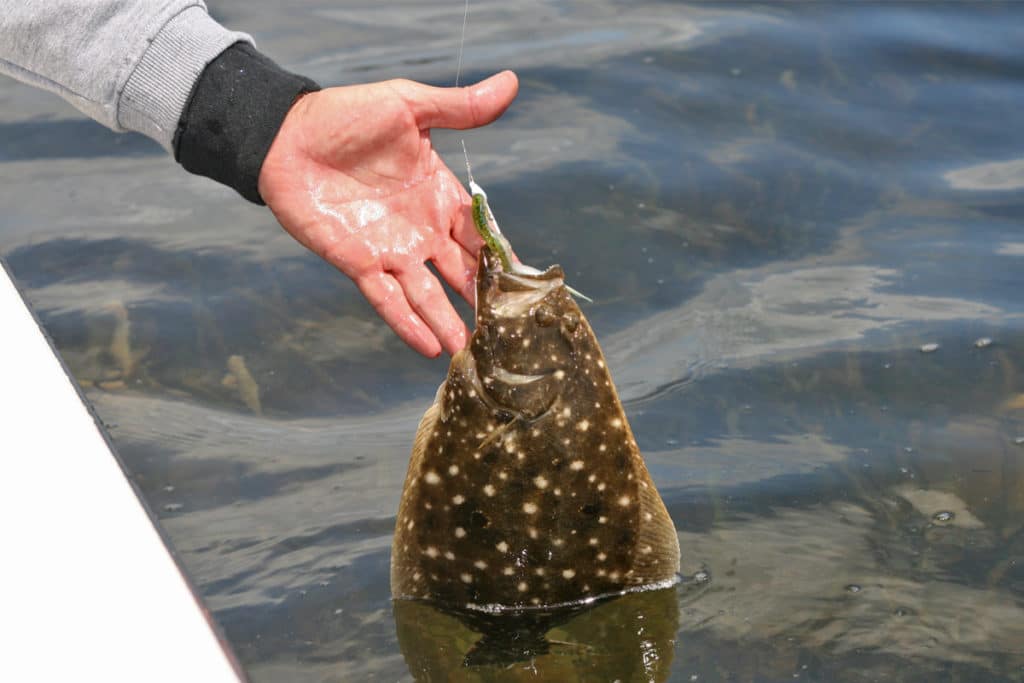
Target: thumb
468,107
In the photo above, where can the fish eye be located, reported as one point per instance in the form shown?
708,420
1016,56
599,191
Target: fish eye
544,316
571,322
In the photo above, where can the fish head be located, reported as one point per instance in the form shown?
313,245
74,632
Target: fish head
528,334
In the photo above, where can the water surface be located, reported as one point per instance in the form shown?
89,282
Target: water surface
776,207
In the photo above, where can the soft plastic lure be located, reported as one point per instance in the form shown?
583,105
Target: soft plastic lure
491,234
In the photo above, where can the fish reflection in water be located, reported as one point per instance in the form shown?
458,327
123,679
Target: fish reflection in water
628,638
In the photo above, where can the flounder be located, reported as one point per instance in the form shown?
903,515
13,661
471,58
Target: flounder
526,488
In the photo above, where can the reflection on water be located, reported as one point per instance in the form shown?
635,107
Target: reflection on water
776,209
629,638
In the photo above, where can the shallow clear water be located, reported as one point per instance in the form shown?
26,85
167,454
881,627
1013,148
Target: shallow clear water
775,207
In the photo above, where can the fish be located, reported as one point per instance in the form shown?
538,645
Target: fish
525,487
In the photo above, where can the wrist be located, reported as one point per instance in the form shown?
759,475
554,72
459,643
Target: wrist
233,116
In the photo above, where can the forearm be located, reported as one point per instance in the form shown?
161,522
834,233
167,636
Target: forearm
164,69
129,64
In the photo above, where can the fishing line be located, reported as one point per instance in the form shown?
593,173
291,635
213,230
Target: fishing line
462,43
458,72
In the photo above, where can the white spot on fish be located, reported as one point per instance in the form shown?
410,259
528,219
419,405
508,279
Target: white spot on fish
449,555
460,532
529,508
624,501
576,465
522,586
540,482
617,423
526,343
583,425
489,490
569,573
480,564
453,470
558,543
459,499
559,374
508,571
602,448
646,549
593,541
466,578
431,477
431,551
502,547
532,533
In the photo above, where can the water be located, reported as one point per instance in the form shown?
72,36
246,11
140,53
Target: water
777,208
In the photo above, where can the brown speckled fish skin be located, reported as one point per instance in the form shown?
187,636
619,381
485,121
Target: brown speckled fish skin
526,487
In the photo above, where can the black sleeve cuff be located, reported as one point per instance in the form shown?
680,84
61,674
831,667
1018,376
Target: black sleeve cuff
233,115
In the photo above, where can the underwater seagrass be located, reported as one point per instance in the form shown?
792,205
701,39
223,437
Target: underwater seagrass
525,487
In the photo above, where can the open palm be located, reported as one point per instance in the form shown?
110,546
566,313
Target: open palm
352,175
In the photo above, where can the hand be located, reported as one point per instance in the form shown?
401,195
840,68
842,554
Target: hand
353,177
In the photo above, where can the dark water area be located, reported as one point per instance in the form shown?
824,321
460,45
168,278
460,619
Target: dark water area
803,226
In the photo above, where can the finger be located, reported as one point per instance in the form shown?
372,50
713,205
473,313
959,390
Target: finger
387,297
469,107
428,299
458,268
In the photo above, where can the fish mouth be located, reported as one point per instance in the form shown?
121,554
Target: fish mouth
509,294
517,338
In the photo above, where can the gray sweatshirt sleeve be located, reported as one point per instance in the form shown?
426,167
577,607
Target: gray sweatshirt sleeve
129,64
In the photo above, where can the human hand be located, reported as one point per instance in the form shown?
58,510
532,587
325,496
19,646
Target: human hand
352,175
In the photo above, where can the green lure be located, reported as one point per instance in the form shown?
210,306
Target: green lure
483,220
488,228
